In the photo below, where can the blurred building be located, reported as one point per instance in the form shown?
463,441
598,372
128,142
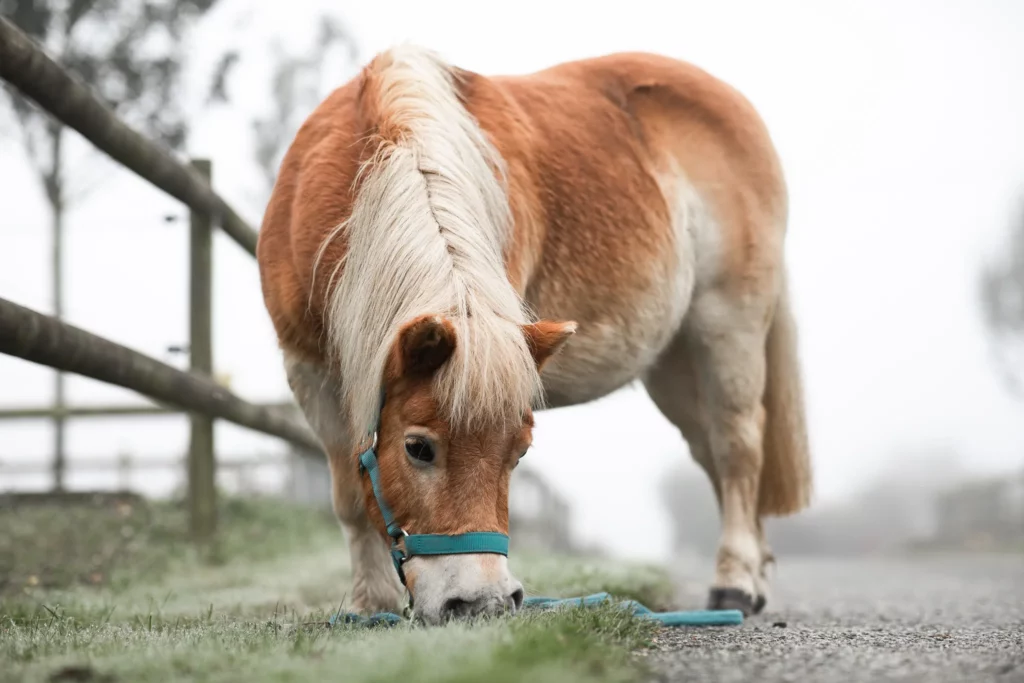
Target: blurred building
539,518
920,501
982,514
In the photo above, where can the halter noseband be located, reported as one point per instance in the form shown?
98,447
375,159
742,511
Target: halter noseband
421,544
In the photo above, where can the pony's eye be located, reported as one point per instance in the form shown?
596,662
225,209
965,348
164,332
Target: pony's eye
419,450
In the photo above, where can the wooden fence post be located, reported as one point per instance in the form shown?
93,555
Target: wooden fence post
124,471
57,135
202,467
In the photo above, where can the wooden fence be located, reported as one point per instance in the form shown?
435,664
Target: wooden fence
39,338
124,466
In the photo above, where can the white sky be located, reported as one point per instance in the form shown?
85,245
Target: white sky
899,127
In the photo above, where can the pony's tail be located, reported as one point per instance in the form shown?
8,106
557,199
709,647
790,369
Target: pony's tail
786,472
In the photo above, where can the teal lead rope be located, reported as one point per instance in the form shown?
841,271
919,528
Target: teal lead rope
701,617
722,617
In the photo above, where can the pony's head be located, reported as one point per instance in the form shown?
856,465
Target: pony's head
445,478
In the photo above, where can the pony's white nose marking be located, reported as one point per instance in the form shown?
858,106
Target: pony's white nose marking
459,586
486,604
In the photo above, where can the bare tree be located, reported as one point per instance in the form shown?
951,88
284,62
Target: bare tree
297,85
130,53
297,88
1002,303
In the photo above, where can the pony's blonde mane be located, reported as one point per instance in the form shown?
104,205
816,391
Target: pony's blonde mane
425,236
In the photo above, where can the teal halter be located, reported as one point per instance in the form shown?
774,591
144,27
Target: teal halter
422,544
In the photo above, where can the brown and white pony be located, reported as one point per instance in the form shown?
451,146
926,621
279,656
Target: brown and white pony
440,234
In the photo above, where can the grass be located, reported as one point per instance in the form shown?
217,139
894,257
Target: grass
251,608
560,576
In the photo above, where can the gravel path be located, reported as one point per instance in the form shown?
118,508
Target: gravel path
934,620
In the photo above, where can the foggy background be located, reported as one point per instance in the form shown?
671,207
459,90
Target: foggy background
899,128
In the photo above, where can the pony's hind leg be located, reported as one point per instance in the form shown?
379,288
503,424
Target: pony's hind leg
728,338
375,585
710,383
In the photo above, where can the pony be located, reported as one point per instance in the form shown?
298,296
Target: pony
445,252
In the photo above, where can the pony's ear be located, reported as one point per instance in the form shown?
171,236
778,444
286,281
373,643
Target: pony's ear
424,344
546,337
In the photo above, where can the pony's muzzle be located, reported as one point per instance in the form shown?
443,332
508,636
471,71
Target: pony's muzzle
485,605
447,587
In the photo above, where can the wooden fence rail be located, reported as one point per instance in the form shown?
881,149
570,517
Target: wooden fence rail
132,463
39,338
126,467
24,65
106,410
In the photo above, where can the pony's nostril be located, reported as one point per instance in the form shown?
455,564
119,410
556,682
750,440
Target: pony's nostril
516,599
455,608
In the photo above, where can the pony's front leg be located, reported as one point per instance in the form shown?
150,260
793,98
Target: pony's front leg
375,585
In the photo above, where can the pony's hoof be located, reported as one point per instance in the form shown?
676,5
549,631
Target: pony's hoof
735,598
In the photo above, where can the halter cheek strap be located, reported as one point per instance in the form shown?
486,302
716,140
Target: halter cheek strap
422,544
